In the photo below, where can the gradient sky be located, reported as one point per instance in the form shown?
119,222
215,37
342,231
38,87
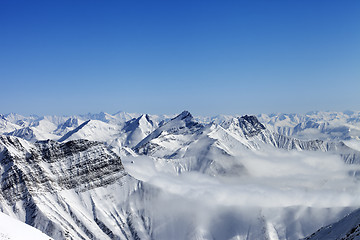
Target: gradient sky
209,57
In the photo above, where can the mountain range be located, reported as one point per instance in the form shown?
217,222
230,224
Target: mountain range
140,176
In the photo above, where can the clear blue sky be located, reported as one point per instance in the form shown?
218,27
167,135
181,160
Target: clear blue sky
209,57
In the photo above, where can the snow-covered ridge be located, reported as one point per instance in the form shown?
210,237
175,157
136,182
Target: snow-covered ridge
310,126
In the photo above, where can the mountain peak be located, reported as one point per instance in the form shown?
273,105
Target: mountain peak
250,125
145,117
253,121
185,115
246,125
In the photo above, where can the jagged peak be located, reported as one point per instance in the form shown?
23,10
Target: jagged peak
136,122
248,125
145,117
25,132
70,122
185,115
253,120
183,118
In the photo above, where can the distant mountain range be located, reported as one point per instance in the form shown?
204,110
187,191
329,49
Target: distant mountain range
140,176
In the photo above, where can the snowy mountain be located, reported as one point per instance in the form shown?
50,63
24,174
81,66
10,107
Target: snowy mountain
197,147
7,126
74,190
117,118
226,177
343,126
120,137
40,128
93,130
69,125
137,129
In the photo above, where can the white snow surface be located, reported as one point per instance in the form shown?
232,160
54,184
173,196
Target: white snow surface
13,229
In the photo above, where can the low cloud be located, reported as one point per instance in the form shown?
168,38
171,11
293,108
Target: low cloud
282,190
282,178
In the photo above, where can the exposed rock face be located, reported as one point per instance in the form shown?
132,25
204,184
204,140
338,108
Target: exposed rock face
58,188
249,126
46,165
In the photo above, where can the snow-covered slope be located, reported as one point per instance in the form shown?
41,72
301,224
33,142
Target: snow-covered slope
69,125
74,190
13,229
347,228
137,129
93,130
7,126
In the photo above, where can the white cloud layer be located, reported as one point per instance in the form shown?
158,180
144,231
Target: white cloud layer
281,178
286,195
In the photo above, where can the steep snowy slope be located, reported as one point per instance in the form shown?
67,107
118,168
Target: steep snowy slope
12,229
347,228
74,190
93,130
7,126
137,129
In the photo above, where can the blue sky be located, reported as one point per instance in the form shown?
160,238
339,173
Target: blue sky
209,57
